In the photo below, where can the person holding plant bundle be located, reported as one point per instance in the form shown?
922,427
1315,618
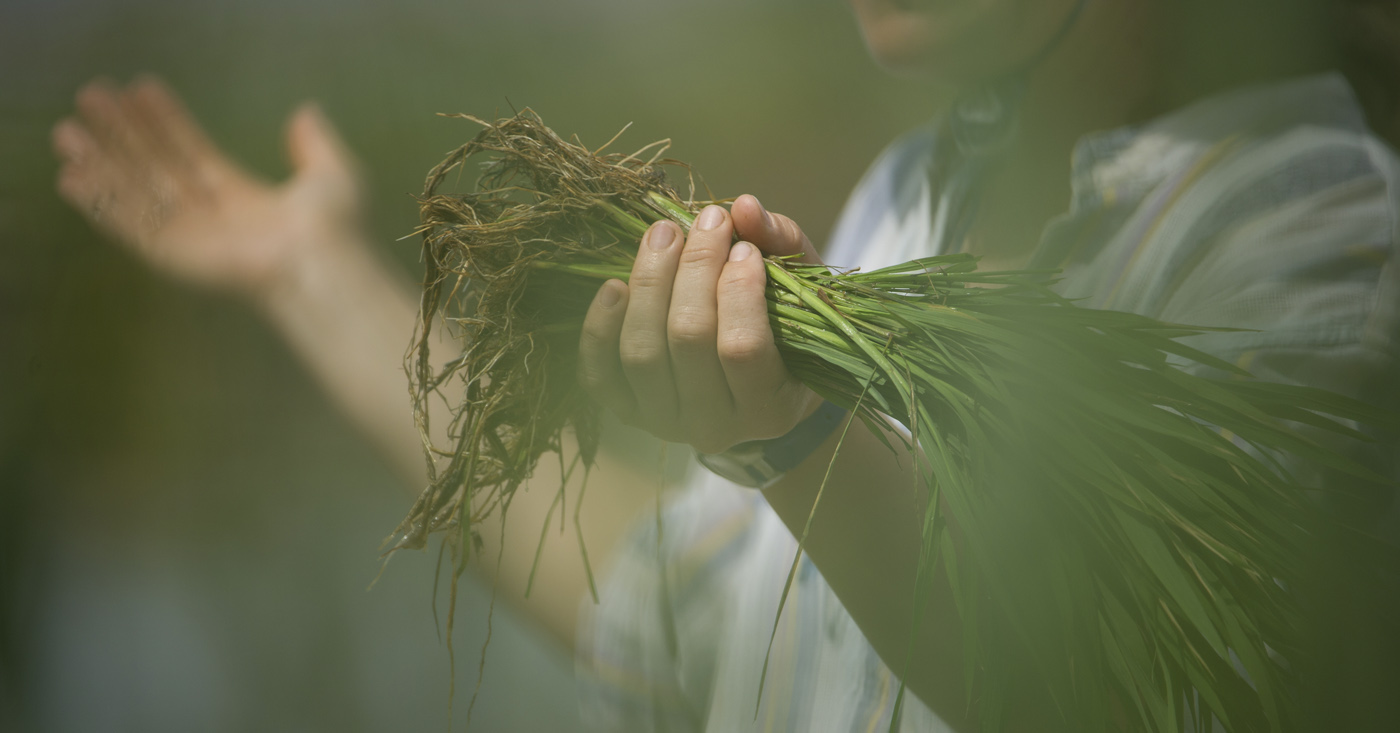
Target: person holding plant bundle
1191,161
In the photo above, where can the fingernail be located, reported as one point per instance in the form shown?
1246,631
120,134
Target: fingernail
740,251
609,295
710,218
660,235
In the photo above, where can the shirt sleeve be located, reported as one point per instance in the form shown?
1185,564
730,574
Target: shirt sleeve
1314,269
1292,238
1298,246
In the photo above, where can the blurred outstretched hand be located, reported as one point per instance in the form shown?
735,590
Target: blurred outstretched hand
140,169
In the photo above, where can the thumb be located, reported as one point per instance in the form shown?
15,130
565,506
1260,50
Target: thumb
773,234
314,146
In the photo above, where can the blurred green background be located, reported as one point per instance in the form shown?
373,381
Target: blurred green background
187,527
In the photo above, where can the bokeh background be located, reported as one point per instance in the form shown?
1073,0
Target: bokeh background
187,527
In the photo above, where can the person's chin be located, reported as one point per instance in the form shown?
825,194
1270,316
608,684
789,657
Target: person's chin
919,37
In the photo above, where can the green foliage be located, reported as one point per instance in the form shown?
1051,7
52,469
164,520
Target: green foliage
1128,529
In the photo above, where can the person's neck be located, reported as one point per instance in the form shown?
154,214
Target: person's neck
1098,79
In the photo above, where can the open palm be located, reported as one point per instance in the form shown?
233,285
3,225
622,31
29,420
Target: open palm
141,170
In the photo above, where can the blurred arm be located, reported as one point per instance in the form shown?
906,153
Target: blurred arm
141,170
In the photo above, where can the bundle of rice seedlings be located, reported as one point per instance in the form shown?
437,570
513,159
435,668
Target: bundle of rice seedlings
1127,529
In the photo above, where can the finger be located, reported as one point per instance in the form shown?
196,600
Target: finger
747,351
314,144
79,187
774,234
320,156
692,324
87,181
75,149
146,136
180,161
71,142
96,103
118,169
642,346
87,191
164,114
600,368
163,177
100,107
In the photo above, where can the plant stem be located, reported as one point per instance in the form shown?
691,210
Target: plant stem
810,299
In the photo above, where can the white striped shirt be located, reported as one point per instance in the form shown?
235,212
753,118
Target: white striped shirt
1270,208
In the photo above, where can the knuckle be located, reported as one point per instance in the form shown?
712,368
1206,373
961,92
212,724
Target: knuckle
647,278
698,252
691,327
743,346
794,232
739,277
594,334
641,353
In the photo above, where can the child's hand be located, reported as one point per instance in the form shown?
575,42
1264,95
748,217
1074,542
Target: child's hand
140,169
685,350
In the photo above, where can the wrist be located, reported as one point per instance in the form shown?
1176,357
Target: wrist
761,463
309,269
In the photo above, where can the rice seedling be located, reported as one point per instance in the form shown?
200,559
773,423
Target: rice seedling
1127,518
